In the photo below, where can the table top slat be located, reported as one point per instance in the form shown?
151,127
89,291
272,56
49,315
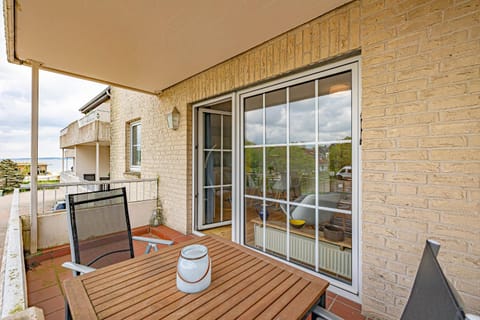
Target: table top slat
78,300
245,284
270,298
300,302
242,302
275,308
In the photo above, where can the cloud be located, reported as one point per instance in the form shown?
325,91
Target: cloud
334,121
60,97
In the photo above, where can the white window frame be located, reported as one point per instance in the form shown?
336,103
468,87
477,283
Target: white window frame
352,64
133,125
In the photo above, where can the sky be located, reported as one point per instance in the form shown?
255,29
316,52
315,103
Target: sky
60,97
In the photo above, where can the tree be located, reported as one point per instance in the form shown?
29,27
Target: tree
10,175
340,155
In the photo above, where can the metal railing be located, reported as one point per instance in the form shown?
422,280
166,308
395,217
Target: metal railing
51,196
93,116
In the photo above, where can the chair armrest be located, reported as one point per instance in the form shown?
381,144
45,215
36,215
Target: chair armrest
323,313
153,240
77,267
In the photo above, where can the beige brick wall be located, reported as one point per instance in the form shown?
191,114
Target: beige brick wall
420,156
421,166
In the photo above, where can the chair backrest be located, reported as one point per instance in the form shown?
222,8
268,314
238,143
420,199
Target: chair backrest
99,227
432,296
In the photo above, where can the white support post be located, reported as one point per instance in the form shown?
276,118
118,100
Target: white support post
97,161
34,160
63,160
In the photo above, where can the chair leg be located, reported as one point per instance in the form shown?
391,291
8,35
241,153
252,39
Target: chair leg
68,315
151,246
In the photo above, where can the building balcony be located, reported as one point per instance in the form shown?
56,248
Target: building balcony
94,127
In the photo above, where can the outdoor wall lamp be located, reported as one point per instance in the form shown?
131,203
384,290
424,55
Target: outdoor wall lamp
173,119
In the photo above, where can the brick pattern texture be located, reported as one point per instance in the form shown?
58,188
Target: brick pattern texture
420,84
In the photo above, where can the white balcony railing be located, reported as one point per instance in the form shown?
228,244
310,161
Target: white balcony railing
100,115
50,196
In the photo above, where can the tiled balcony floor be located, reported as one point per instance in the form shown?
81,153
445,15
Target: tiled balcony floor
45,275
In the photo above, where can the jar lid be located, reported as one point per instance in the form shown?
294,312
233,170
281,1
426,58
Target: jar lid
194,252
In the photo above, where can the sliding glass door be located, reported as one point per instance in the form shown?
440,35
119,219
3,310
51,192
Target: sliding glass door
300,171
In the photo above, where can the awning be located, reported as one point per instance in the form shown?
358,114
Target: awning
146,45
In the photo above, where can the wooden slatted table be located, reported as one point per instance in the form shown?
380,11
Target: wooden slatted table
245,285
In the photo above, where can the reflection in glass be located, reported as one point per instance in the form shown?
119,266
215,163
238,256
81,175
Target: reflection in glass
136,131
253,120
276,117
227,132
251,206
254,171
302,170
335,107
276,166
302,112
212,205
213,133
227,203
227,167
212,168
312,184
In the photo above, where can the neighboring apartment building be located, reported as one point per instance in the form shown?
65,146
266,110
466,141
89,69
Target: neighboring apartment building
390,90
87,142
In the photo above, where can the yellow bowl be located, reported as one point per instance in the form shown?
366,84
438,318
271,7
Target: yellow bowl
297,223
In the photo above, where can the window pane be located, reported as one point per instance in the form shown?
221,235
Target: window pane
212,131
212,168
227,167
302,251
212,213
251,216
276,166
302,112
227,204
276,117
134,135
136,156
335,107
254,171
254,120
227,132
302,171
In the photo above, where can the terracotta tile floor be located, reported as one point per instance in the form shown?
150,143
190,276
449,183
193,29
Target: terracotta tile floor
45,275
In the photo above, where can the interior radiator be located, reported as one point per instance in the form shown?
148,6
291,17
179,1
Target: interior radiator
330,257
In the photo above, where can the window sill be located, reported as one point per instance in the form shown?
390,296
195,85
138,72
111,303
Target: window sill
136,174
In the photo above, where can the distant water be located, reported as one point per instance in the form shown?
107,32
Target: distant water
54,165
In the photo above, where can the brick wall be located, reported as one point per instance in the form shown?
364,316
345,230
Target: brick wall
421,146
421,151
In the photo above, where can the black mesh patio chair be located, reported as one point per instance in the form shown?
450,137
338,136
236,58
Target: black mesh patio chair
432,295
99,230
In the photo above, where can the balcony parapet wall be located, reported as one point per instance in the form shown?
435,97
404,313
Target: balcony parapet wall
14,284
76,134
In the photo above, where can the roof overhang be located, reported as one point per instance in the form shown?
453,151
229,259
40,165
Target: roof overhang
146,45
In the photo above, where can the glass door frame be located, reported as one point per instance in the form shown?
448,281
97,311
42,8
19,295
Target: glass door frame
353,65
197,141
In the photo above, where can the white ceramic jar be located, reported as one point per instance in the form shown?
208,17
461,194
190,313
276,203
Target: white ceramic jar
194,269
